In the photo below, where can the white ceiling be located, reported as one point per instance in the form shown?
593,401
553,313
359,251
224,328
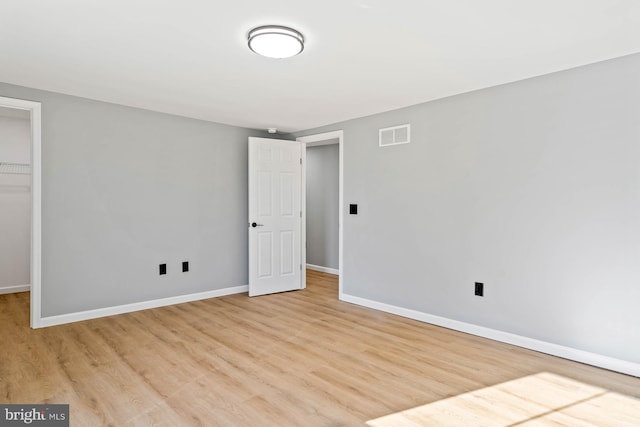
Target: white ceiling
190,58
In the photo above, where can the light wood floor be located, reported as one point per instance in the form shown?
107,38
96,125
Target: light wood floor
294,359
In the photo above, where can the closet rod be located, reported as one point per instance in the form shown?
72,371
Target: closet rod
15,168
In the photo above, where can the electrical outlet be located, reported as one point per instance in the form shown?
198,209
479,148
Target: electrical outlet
479,289
163,269
185,266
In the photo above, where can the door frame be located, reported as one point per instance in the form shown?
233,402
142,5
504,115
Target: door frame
35,110
310,141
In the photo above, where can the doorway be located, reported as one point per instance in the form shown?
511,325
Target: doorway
15,200
20,197
323,253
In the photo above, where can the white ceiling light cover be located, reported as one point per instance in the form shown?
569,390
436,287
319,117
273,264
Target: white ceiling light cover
275,41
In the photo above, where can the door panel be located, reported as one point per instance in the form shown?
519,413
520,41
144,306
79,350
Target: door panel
287,256
264,251
275,185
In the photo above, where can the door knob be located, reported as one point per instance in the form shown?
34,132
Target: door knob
255,224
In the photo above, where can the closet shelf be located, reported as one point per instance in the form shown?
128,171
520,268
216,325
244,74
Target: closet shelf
15,168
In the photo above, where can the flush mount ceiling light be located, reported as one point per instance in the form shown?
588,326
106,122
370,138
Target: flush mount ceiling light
275,41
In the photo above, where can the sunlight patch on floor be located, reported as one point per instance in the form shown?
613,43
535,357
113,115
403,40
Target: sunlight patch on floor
542,399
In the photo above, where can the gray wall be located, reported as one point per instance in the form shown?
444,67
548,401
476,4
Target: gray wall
322,205
15,139
15,204
125,189
532,188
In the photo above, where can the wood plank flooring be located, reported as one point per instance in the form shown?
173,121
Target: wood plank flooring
295,359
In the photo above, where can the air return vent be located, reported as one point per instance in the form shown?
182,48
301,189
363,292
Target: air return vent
395,135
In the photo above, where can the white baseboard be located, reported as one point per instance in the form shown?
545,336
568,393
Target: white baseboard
581,356
144,305
323,269
14,289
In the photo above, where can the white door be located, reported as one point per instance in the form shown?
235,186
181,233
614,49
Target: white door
275,187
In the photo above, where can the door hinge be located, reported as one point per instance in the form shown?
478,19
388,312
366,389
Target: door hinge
300,214
300,267
301,160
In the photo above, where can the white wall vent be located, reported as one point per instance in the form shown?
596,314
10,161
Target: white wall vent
395,135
